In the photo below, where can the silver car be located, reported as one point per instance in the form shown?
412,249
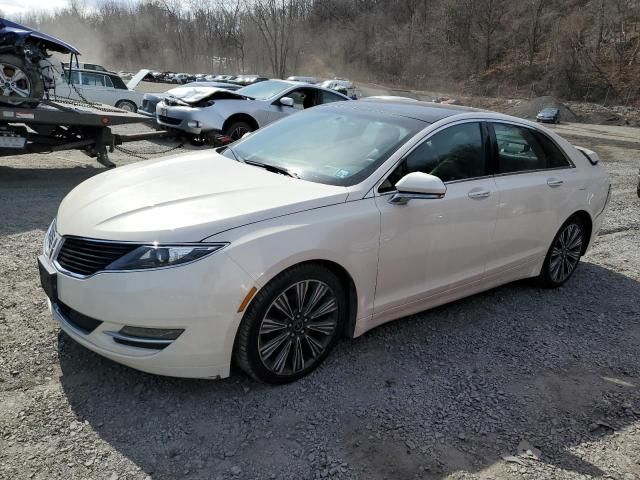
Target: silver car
150,100
235,113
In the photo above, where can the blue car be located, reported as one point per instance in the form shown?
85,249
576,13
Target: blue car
21,51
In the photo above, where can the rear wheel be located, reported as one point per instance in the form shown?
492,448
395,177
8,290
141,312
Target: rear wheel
237,130
20,79
564,254
127,106
292,324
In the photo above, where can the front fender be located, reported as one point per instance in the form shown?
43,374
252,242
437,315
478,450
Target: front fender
346,234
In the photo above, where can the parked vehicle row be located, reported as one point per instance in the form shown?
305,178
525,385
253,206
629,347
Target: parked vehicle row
322,225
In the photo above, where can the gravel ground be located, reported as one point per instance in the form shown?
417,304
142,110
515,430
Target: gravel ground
516,382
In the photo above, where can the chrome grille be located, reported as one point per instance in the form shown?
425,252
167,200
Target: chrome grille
86,257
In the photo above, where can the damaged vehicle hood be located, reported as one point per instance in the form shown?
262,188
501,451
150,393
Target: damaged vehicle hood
52,43
186,198
195,95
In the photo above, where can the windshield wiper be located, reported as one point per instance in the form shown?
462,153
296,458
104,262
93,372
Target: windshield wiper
266,166
272,168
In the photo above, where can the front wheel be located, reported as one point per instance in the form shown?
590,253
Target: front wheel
564,254
237,130
291,325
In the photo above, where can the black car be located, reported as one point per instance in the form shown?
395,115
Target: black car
548,115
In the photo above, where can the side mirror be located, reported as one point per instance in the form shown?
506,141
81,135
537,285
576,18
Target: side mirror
287,101
418,185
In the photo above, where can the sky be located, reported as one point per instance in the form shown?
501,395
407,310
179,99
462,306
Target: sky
16,7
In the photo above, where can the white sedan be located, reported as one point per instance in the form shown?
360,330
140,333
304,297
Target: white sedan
322,225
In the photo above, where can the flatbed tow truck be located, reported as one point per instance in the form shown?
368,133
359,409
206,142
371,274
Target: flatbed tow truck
57,125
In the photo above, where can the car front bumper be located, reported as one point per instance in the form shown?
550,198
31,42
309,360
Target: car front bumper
202,298
182,118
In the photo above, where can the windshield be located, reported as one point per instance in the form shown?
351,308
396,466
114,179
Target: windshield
329,145
264,90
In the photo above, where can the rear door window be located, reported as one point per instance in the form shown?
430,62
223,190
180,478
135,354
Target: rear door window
555,157
518,149
93,79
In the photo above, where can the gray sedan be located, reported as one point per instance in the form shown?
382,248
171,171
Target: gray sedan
233,114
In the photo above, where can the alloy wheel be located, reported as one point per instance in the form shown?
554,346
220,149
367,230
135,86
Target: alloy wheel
238,132
565,253
14,82
298,327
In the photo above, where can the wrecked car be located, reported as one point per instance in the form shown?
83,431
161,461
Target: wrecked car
26,66
207,114
150,100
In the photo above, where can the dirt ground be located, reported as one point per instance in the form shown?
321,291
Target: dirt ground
514,383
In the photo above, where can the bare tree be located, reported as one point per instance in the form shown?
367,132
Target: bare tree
275,20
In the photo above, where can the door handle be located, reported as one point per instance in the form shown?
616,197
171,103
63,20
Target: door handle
554,182
479,194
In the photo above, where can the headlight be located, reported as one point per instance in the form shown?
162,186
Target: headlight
49,239
158,256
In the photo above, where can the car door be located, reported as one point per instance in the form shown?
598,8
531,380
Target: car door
95,88
302,98
328,97
433,250
534,179
69,85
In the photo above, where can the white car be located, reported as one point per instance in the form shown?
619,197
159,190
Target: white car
101,87
322,225
237,113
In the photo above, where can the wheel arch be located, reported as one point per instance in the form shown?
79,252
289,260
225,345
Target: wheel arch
586,220
346,279
240,117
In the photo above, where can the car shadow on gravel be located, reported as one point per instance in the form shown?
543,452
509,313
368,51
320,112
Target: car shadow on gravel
455,388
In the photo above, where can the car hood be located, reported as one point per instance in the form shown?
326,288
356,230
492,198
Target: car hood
195,95
185,198
137,78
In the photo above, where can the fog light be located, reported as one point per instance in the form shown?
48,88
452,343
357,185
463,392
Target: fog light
152,333
193,124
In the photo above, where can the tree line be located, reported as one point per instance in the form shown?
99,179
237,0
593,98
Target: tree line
576,49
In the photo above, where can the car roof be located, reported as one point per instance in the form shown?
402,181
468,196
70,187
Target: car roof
424,111
91,70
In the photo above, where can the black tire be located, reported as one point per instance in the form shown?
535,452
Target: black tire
237,129
251,346
560,264
31,83
127,105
